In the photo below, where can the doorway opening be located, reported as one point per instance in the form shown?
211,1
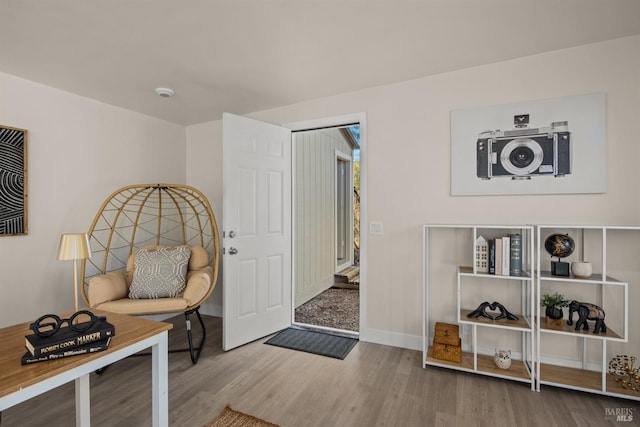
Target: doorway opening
326,212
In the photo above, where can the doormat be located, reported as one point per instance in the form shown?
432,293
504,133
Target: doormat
313,342
232,418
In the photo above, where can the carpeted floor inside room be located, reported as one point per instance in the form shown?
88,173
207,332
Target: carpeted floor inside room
334,308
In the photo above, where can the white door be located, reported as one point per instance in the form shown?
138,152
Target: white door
257,230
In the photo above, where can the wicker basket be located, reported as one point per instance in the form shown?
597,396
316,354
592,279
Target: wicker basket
451,353
446,333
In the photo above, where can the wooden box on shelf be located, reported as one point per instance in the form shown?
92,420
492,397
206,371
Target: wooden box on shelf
446,333
447,344
448,352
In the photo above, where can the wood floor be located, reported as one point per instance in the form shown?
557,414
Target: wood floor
374,386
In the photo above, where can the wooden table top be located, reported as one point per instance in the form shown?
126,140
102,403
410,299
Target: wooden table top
15,376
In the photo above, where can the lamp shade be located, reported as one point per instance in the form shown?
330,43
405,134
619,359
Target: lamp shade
74,246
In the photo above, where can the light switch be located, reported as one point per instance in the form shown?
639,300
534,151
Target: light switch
375,228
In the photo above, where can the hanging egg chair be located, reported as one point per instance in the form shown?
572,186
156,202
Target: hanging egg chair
173,226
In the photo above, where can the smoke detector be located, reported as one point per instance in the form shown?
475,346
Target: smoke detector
164,92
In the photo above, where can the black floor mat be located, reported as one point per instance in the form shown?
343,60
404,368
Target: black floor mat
313,342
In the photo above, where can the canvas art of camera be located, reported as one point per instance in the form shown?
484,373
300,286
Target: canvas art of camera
524,152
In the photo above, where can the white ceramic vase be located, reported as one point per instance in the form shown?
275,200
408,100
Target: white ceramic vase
581,269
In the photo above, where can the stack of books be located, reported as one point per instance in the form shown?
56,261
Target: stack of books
66,342
505,255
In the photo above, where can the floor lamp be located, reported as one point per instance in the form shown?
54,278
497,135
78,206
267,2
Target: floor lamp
74,247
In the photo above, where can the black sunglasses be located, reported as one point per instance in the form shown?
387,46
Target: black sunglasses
49,324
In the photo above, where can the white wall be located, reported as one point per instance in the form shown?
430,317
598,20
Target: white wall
204,171
408,163
79,152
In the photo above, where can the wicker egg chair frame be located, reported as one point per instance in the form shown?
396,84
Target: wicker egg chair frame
152,214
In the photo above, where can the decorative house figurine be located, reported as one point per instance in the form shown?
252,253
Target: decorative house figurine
482,255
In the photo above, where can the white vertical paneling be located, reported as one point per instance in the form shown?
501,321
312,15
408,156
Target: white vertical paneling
315,210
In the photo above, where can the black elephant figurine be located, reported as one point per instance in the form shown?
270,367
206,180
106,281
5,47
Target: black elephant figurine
587,311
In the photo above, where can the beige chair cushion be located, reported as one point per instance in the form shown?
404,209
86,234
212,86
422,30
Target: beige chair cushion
198,284
110,291
199,258
107,287
144,306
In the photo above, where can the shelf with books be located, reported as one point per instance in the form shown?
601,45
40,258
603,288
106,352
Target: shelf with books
468,271
577,358
459,259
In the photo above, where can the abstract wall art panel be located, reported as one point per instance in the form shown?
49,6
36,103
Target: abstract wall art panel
13,181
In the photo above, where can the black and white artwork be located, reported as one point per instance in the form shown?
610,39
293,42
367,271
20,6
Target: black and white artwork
550,146
13,181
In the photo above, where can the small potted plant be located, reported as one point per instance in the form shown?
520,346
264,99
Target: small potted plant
554,303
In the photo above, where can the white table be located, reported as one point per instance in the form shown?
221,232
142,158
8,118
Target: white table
133,334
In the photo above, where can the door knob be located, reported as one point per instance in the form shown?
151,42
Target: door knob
232,251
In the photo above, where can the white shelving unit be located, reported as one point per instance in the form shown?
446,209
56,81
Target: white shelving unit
579,359
453,287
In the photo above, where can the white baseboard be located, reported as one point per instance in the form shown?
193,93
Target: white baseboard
568,363
394,339
490,351
211,310
411,342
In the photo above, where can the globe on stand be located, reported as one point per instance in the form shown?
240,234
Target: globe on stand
561,246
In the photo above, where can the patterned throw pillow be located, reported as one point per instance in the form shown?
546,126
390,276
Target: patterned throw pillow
159,273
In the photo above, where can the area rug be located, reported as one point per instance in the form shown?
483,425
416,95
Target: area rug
313,342
232,418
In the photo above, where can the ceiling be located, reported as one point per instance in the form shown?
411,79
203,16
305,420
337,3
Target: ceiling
242,56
